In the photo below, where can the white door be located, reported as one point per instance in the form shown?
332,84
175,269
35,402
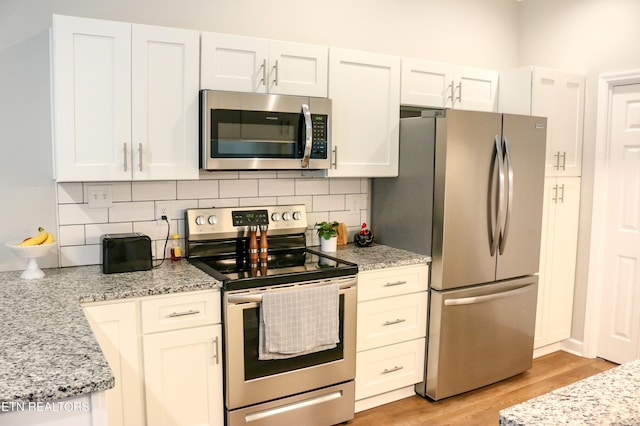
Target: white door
619,331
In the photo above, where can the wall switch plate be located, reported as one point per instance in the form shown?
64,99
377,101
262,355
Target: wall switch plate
99,196
162,209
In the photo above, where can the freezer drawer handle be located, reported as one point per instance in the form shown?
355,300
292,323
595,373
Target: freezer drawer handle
487,298
395,283
182,314
391,370
396,321
260,415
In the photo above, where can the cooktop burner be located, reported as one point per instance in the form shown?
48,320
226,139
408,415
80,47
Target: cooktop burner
237,273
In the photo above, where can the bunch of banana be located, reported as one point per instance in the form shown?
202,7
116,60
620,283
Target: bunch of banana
43,237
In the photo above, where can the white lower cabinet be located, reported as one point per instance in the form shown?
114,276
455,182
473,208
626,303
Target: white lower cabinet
392,324
166,356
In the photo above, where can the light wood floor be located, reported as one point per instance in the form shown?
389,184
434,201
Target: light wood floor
481,407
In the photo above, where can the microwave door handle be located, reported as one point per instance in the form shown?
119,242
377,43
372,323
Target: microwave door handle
308,136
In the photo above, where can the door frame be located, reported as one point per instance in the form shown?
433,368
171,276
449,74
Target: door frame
595,279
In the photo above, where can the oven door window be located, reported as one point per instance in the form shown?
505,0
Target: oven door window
254,368
255,134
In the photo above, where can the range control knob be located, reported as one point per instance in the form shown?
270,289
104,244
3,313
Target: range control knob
200,220
286,216
297,215
212,219
275,216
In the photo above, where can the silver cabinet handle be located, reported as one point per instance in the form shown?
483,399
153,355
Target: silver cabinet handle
555,194
459,98
509,206
308,136
564,160
263,80
396,321
275,69
140,156
391,370
561,197
124,150
335,157
182,314
395,283
450,89
217,352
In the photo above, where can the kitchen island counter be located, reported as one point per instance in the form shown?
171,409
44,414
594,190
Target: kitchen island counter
47,349
377,256
608,398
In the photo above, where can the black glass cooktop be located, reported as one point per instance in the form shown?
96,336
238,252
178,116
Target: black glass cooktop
285,267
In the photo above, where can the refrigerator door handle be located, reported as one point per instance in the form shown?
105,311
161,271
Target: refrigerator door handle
509,206
487,298
500,208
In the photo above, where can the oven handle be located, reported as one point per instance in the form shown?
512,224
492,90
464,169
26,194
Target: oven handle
257,297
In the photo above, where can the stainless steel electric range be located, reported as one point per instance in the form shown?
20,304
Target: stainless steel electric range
255,251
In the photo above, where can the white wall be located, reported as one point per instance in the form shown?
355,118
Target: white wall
591,37
467,32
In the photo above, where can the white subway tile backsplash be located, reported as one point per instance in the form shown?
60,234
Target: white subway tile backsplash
238,188
75,214
80,255
149,191
312,186
71,235
129,212
195,189
275,187
134,205
328,202
344,186
70,193
95,231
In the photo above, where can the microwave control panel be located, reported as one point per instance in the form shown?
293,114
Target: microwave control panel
319,136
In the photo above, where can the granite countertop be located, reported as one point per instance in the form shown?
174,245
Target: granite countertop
47,348
608,398
377,256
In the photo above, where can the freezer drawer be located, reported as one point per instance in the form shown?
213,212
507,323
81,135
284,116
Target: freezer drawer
479,335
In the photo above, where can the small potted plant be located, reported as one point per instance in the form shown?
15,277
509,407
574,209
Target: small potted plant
328,234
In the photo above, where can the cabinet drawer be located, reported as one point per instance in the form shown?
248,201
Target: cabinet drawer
180,311
391,367
392,282
392,320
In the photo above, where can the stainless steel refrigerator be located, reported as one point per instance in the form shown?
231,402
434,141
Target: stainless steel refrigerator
469,194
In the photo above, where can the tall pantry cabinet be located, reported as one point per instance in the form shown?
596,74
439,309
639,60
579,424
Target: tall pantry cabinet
559,96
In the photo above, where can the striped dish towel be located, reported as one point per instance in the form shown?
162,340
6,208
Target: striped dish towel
298,322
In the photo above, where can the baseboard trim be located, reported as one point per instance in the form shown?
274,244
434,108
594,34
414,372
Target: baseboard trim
573,346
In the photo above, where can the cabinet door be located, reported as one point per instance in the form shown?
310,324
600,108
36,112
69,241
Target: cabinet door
298,69
234,63
165,103
115,328
91,99
557,260
183,376
475,88
426,83
559,96
365,89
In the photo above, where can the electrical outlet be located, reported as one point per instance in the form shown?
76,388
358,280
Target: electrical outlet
162,209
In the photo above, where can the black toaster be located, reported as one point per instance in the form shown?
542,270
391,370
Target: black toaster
126,252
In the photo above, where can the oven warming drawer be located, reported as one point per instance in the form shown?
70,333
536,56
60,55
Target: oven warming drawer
327,406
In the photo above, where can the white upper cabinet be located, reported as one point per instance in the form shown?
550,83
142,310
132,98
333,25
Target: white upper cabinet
557,95
442,85
249,64
365,90
125,101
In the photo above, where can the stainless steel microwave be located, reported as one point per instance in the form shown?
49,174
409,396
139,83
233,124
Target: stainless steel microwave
241,131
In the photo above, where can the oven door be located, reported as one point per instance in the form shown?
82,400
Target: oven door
250,381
